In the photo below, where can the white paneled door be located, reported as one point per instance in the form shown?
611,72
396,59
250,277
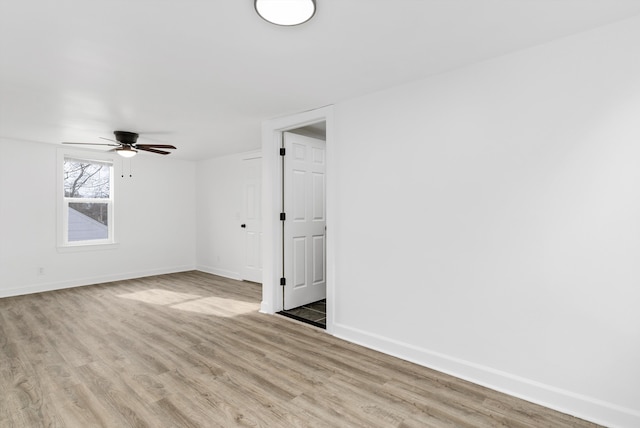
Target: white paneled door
304,227
252,220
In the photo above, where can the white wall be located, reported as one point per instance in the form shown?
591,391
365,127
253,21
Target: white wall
155,222
220,213
487,223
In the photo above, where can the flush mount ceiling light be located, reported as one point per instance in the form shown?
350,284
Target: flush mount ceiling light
286,12
126,151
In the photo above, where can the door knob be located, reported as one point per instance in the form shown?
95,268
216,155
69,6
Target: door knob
243,226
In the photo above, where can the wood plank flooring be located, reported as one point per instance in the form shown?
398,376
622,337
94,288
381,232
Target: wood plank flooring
191,350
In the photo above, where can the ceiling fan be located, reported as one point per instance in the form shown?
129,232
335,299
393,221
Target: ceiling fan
127,145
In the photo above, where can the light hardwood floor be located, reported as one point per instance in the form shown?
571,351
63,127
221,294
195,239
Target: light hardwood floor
191,350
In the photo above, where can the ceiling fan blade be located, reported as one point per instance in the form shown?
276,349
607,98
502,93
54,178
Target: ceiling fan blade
109,139
157,146
92,144
146,149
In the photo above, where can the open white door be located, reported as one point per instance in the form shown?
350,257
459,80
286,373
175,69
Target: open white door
304,227
252,220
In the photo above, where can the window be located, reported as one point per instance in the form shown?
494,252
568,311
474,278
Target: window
87,202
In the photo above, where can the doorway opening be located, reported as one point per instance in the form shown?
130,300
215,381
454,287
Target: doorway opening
272,245
303,219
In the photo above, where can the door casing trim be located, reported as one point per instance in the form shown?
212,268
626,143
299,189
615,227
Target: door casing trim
271,201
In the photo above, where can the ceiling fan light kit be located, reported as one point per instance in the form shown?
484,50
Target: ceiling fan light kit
285,12
126,152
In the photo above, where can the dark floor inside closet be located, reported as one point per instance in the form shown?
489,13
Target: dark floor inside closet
313,313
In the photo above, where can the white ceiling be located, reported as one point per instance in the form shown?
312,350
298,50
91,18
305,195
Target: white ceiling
204,74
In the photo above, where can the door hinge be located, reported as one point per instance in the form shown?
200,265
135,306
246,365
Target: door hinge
283,151
283,216
283,281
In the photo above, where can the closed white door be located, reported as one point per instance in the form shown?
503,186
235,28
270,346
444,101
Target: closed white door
252,220
304,226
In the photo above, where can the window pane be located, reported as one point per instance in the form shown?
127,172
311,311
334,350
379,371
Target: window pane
84,179
88,221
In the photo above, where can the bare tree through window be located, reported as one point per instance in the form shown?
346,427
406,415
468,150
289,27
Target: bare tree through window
86,180
87,191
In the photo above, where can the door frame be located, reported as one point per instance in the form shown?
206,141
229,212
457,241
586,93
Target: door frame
272,201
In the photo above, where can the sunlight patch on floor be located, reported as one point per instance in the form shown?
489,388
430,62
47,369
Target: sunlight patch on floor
159,297
218,306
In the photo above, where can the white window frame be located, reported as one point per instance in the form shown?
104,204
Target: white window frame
63,201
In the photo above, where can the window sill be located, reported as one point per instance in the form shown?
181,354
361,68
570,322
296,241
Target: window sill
80,248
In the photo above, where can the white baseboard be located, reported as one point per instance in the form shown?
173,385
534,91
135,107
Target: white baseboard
220,272
265,307
564,401
80,282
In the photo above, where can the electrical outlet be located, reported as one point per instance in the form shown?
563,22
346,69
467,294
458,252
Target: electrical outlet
40,271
